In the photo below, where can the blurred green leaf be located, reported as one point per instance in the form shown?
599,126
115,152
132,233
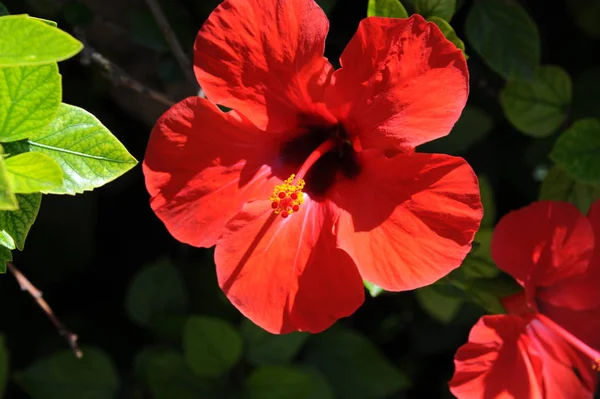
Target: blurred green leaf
50,45
488,201
211,346
168,376
434,8
3,363
275,382
144,31
487,292
505,36
3,10
449,32
89,155
386,8
264,348
353,365
156,290
586,94
441,307
15,225
558,186
374,290
33,173
587,15
539,106
62,376
327,5
77,14
29,99
577,151
479,263
8,200
5,256
472,126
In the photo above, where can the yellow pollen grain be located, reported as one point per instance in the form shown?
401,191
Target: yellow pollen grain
287,203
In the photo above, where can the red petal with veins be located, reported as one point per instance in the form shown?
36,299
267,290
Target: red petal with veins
402,83
264,58
409,220
202,165
286,274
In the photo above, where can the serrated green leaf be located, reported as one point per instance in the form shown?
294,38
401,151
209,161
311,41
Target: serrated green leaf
5,256
441,307
3,363
449,33
374,290
539,106
439,8
275,382
472,126
353,365
264,348
577,151
33,172
558,186
144,306
587,15
8,200
29,100
62,376
386,8
89,155
15,225
504,35
29,41
586,94
211,346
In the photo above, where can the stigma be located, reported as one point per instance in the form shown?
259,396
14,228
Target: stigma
288,197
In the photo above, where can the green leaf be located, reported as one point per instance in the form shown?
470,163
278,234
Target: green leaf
29,41
488,202
8,200
62,376
264,348
487,292
3,10
434,8
15,225
472,126
143,304
33,172
5,256
440,307
3,362
558,186
29,99
505,36
586,94
479,263
168,376
374,290
537,107
587,15
386,8
211,346
577,151
449,32
89,155
354,366
275,382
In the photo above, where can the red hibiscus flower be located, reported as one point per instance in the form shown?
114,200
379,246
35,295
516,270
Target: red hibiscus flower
543,347
311,183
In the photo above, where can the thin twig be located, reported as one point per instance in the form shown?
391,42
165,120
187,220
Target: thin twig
36,294
176,49
115,74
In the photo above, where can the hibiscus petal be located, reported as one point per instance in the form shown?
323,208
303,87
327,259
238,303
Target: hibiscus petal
264,58
202,165
496,362
402,83
287,274
408,220
583,324
543,243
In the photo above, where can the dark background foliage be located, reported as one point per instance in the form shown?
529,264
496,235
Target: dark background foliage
85,252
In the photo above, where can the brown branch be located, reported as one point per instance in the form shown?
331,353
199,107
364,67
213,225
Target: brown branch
36,294
176,49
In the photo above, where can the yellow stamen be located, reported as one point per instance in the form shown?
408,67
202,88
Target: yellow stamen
288,197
